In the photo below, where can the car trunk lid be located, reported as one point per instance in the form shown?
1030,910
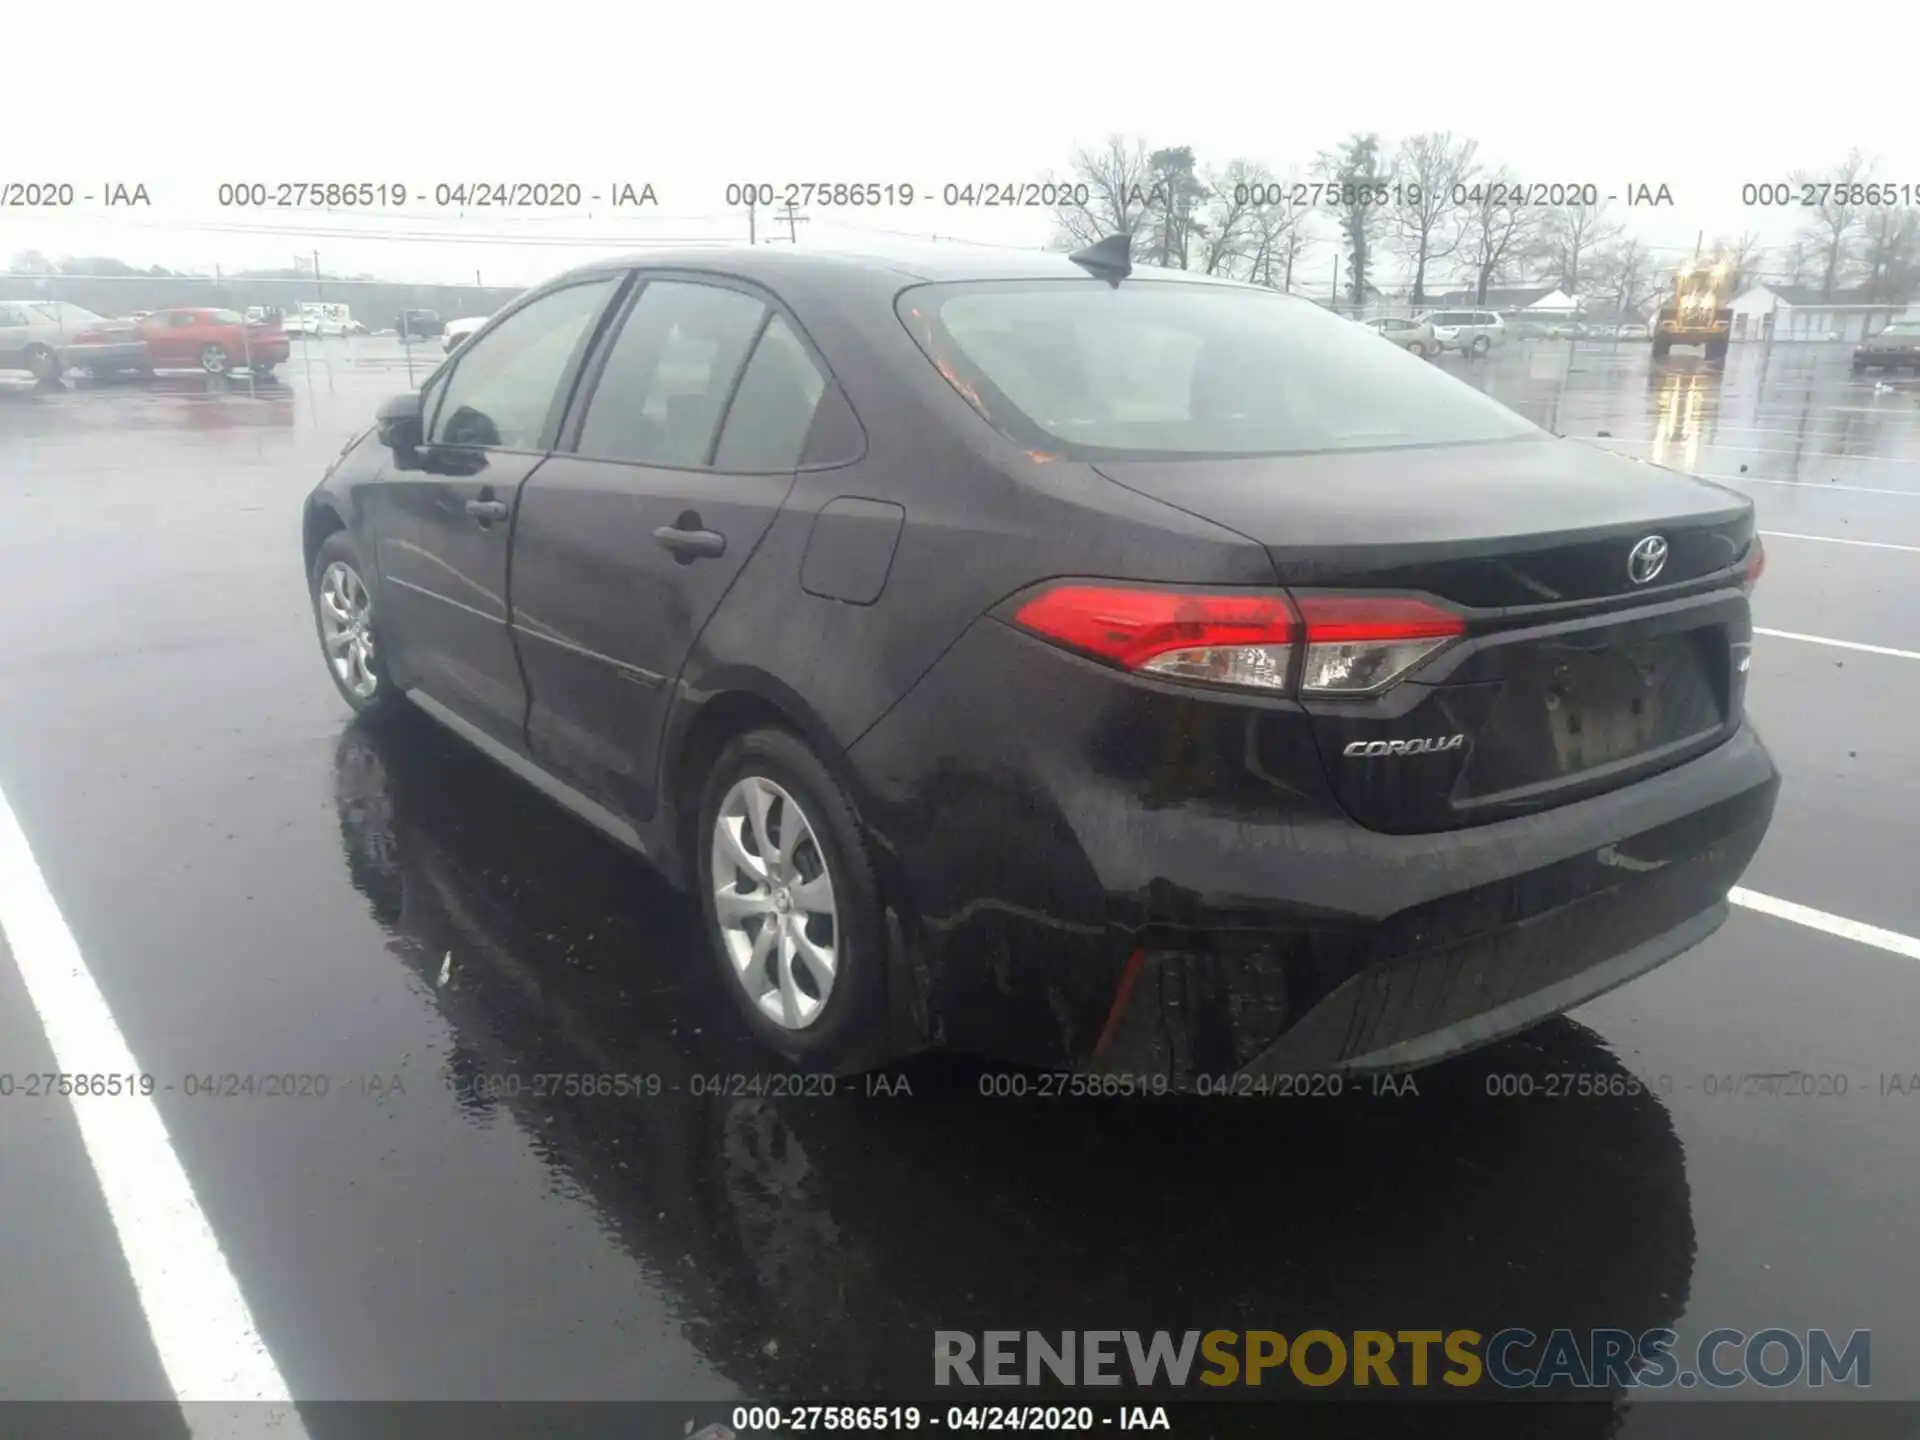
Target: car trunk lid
1577,672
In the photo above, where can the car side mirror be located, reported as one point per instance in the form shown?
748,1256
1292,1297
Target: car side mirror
399,424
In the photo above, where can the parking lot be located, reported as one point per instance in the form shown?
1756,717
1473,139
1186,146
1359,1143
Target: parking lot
259,887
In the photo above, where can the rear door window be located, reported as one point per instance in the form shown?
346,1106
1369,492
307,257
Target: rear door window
669,375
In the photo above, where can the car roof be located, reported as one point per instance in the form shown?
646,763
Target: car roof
919,262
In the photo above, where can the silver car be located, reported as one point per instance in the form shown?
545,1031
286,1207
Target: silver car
459,332
50,337
1413,336
1472,331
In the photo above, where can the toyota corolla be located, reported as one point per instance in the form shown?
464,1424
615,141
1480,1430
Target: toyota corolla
1073,663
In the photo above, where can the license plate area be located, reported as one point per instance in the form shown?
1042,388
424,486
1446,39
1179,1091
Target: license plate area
1565,709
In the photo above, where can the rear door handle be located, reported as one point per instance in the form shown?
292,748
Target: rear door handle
691,544
487,511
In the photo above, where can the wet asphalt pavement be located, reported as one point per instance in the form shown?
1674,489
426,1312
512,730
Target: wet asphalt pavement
260,887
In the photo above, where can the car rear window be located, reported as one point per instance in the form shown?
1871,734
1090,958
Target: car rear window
1166,369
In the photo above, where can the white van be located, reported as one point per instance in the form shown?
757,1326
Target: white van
317,317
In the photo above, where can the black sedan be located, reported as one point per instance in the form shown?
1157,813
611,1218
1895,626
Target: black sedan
1095,668
1895,347
419,324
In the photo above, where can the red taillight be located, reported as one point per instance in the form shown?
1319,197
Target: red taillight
1361,644
1354,644
1756,561
1218,639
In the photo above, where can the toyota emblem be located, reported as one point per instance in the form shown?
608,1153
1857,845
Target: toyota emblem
1647,559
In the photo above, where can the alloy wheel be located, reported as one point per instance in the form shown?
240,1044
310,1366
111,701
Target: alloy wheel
346,628
213,360
773,899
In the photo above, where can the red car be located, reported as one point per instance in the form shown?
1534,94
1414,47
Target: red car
215,341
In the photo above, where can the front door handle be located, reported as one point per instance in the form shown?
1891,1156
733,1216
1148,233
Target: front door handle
487,511
691,545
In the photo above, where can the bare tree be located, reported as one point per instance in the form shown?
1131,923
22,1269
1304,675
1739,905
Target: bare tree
1233,195
1498,233
1743,252
1799,261
1424,226
1569,234
1891,254
1280,232
1119,185
1624,274
1833,225
1355,168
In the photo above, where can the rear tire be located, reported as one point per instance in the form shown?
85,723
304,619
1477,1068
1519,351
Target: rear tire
830,1020
343,617
1481,344
43,363
214,359
1416,348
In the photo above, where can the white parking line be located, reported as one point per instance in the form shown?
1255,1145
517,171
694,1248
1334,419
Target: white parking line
1840,644
1706,444
201,1326
1805,484
1837,540
1855,930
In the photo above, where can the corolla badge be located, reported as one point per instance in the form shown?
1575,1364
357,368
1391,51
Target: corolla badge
1368,749
1647,559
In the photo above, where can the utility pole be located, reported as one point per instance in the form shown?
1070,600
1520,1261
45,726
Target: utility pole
791,214
319,292
1336,282
752,236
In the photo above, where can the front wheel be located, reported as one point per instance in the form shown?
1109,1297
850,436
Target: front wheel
1481,344
343,614
791,904
1417,349
213,360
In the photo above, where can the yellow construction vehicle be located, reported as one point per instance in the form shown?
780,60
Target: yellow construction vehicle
1700,312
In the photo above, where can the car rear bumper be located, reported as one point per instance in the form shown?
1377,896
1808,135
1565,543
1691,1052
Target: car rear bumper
1158,891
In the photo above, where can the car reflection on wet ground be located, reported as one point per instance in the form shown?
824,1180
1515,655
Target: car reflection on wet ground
261,887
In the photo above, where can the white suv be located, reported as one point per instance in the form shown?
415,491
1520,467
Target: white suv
1474,331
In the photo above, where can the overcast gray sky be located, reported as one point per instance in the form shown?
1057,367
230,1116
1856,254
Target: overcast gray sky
183,98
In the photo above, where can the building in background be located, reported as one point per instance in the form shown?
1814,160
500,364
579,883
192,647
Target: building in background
1541,300
1770,310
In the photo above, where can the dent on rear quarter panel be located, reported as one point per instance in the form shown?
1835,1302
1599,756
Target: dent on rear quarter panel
851,548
